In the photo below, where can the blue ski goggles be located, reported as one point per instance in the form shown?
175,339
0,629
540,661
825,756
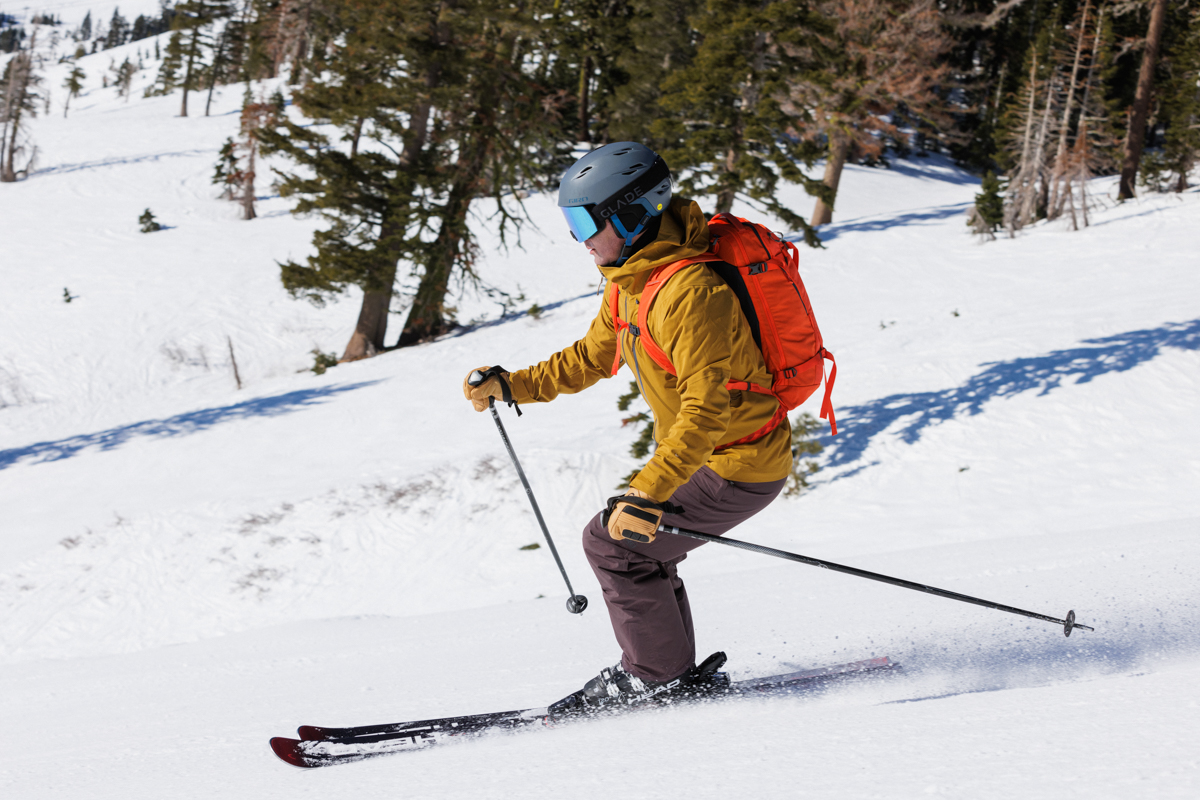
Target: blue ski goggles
580,221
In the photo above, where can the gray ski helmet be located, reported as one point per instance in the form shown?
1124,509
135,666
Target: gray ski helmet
610,180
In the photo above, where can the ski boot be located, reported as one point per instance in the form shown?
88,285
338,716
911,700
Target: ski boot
615,690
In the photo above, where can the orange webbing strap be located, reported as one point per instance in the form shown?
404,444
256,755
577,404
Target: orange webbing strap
827,402
655,282
745,386
618,325
779,416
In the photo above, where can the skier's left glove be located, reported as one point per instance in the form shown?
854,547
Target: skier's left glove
635,516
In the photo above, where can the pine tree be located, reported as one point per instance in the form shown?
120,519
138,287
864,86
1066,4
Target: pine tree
657,41
11,39
73,85
118,31
20,102
725,130
123,78
148,223
987,215
168,71
644,444
877,59
85,29
803,428
408,195
227,174
194,20
1180,107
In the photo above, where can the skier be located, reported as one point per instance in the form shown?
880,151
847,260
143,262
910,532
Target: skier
722,454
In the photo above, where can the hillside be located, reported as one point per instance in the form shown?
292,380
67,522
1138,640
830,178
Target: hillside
189,568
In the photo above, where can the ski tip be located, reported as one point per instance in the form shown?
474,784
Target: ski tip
311,733
286,750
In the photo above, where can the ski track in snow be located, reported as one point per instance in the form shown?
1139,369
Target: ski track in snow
190,569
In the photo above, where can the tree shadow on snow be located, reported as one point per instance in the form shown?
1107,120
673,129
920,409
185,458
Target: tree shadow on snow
921,216
858,425
179,425
63,169
513,316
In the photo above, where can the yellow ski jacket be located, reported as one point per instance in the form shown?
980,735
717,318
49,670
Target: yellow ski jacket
697,321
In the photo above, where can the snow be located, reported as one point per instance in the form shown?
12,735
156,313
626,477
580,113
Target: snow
189,569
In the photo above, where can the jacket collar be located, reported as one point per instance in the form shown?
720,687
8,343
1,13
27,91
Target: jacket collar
683,233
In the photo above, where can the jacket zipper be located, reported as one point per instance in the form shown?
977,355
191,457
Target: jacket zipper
637,369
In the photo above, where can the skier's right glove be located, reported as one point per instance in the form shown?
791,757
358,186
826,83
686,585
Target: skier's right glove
483,385
634,516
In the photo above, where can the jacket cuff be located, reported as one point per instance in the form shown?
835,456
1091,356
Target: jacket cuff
658,487
520,385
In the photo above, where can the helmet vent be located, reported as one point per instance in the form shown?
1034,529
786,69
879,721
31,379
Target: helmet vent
633,169
583,172
622,151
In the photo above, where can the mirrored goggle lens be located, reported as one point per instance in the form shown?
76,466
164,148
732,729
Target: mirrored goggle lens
580,222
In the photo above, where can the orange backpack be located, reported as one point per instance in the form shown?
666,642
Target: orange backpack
763,271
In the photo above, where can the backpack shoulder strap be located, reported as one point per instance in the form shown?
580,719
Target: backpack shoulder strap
618,324
657,280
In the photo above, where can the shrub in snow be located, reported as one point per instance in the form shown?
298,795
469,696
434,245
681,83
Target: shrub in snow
323,361
149,224
803,427
987,215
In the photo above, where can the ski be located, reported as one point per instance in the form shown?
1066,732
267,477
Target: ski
321,747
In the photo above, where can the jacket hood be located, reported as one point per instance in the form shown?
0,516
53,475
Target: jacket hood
682,234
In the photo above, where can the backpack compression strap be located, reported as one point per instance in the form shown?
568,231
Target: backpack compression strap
655,282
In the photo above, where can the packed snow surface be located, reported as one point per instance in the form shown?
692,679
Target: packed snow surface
189,569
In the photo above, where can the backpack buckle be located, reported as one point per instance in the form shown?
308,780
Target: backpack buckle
634,329
759,268
789,373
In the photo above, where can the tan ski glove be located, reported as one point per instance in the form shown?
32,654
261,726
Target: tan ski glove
495,384
635,516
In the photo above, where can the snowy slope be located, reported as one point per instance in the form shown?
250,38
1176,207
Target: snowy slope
189,569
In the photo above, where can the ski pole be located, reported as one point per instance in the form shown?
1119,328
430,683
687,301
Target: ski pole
576,603
1067,623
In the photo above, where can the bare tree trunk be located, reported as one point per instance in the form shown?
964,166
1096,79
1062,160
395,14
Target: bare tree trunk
248,183
301,45
585,79
20,69
187,76
358,128
1141,101
1062,156
212,78
427,318
1020,183
371,328
725,196
839,151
